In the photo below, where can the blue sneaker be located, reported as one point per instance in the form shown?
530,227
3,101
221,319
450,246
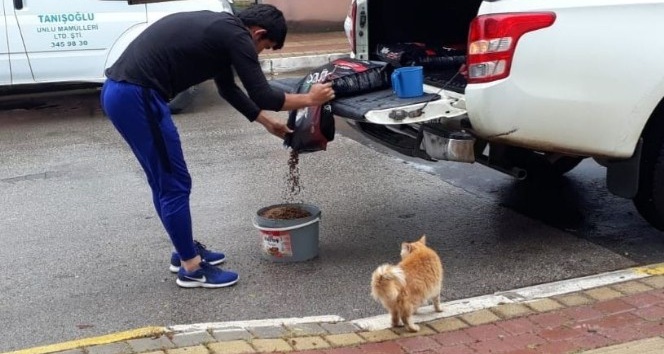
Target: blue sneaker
208,276
211,257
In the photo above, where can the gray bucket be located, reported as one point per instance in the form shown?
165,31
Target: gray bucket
292,240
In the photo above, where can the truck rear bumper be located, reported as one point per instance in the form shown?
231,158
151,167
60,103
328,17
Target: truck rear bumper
427,141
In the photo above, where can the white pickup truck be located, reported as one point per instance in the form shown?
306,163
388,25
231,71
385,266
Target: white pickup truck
47,43
543,85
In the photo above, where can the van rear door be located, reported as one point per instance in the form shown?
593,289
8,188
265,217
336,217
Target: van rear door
71,43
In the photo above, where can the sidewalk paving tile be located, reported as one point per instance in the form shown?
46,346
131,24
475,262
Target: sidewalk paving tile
517,326
112,348
72,351
404,333
228,334
574,299
544,305
656,281
271,345
231,347
378,336
198,349
344,339
603,293
308,343
511,310
480,317
306,329
147,344
632,287
646,346
549,319
268,331
381,348
447,324
191,338
339,327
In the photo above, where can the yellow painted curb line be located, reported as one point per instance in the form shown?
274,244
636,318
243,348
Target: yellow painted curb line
106,339
654,269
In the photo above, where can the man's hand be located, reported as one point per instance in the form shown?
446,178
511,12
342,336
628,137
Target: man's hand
321,93
318,94
275,126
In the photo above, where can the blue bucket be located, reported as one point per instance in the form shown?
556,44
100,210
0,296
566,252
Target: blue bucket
408,82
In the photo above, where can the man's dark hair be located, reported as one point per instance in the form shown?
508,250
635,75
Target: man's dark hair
269,18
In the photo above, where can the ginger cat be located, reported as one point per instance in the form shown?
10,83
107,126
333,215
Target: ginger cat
404,287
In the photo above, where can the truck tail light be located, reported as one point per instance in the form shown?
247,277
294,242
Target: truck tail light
351,24
492,41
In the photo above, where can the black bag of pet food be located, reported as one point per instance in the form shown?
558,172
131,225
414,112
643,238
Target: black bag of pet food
420,54
350,77
313,127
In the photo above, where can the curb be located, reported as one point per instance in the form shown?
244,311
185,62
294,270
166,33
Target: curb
278,65
95,341
321,332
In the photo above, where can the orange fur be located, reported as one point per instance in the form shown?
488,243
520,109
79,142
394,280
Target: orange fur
404,287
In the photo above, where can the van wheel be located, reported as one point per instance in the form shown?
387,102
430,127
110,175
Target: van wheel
182,100
649,200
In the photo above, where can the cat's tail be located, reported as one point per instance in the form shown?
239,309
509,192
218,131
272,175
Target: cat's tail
387,281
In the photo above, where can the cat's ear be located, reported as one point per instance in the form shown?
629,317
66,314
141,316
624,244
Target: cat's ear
423,239
406,247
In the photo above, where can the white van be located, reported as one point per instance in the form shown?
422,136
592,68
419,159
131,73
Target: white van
53,42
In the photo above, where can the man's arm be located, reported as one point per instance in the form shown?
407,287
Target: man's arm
245,61
276,127
317,95
234,95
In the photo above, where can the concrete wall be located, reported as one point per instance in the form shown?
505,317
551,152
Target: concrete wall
312,15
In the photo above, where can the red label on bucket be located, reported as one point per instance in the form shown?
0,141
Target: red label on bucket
277,243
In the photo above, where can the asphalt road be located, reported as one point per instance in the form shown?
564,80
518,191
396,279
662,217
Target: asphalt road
84,254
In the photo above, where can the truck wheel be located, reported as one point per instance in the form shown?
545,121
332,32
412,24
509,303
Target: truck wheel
649,200
182,100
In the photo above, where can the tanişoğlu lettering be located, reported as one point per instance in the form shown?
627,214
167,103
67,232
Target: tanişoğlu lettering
72,17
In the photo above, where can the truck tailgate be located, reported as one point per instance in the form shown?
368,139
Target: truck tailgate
385,108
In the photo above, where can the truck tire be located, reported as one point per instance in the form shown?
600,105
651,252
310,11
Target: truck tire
649,200
182,100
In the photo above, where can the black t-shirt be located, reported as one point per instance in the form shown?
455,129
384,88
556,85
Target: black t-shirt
187,48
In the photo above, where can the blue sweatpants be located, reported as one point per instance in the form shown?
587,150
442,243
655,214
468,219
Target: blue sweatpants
144,120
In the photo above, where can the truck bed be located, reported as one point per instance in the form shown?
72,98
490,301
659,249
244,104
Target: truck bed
355,107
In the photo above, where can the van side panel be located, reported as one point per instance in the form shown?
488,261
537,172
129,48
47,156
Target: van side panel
5,73
74,39
159,10
18,59
121,43
154,12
